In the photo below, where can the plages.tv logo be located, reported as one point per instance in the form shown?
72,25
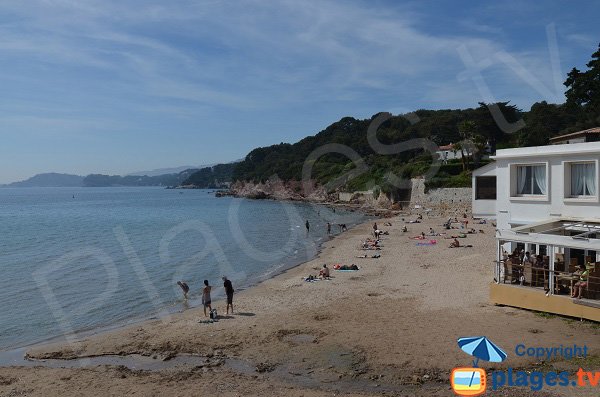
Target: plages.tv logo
471,381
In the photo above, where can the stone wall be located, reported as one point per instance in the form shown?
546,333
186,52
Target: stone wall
447,201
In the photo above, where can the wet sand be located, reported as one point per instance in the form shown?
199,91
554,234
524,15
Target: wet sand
388,329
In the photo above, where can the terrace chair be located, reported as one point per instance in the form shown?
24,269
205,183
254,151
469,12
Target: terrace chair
592,290
528,273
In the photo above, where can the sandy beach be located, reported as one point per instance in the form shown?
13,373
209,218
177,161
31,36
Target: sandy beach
388,329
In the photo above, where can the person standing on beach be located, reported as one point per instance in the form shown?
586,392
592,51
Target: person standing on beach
229,293
375,229
307,227
206,297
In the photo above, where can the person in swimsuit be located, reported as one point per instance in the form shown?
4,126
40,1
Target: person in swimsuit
229,292
206,297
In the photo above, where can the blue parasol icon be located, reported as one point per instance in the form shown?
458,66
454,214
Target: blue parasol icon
481,348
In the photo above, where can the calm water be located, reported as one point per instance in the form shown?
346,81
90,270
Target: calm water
79,259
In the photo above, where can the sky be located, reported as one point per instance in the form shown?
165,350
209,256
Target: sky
119,86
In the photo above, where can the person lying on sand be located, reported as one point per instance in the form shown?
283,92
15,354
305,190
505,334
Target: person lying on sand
346,267
419,237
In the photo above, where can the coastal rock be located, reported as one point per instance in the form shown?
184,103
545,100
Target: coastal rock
277,189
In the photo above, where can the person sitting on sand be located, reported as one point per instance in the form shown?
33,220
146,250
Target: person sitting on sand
454,244
206,302
404,229
324,273
419,217
185,288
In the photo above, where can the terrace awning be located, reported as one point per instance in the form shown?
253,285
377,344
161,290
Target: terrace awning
573,233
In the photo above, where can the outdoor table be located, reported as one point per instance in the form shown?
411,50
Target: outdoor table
567,277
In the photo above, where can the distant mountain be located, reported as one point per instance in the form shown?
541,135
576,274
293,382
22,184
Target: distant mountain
51,179
100,180
168,171
217,176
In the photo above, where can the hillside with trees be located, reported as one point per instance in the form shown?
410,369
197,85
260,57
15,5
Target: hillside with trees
100,180
473,131
214,177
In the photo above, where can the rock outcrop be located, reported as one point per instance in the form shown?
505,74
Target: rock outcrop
277,189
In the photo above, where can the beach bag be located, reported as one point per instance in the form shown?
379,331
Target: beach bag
213,314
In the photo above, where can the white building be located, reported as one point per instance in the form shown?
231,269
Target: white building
448,152
547,202
484,191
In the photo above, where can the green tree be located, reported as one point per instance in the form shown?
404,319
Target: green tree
583,91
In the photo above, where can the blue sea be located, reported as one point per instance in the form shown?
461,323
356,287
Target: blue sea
76,260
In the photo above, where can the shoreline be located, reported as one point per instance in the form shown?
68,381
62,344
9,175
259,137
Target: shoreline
173,308
391,326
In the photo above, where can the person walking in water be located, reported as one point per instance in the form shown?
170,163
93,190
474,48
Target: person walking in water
307,227
328,228
229,292
206,297
185,288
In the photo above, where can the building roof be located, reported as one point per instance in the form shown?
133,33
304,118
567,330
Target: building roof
446,147
550,150
485,169
578,134
552,232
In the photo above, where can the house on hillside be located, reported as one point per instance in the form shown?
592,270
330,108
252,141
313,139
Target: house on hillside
448,152
547,203
590,135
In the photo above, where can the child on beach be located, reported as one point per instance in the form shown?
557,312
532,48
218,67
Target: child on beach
206,297
185,288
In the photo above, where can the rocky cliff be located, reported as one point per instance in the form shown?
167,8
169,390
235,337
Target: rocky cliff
281,190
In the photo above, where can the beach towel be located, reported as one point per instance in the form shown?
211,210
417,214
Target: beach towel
426,243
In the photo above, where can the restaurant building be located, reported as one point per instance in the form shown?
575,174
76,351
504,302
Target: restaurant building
546,203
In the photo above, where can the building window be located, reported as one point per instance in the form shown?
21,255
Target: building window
583,179
531,180
485,188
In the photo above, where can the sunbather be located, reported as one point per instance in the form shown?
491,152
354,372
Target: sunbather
454,244
324,273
